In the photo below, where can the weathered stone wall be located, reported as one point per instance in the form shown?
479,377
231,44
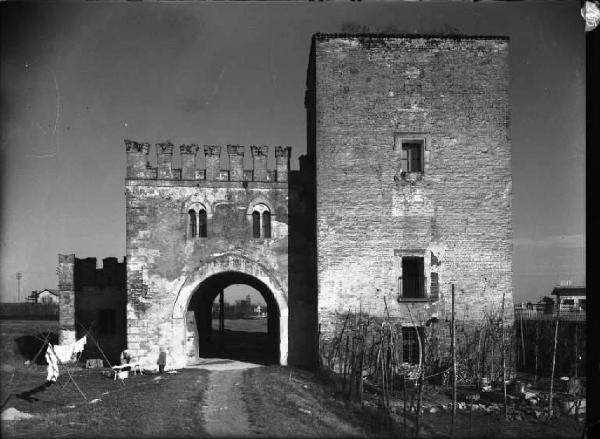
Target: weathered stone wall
165,264
451,93
84,291
66,287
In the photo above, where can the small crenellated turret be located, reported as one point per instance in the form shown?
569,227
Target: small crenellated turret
213,161
259,159
188,161
164,159
282,162
236,162
137,159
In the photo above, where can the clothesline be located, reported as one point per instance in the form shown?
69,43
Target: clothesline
62,354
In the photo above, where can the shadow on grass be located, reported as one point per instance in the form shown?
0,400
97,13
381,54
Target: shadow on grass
33,347
250,347
283,401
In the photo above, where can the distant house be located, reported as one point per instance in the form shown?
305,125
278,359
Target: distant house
47,296
572,301
570,298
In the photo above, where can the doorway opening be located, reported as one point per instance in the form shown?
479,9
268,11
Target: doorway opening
234,315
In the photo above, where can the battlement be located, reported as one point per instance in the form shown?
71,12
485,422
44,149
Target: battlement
75,273
138,166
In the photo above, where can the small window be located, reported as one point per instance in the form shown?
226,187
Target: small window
202,223
412,156
261,222
256,224
266,224
107,322
413,277
193,223
410,344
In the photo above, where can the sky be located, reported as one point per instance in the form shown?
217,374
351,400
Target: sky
78,78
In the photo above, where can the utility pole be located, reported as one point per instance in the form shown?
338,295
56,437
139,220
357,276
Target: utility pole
19,277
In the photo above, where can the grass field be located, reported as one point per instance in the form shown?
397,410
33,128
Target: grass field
246,325
147,405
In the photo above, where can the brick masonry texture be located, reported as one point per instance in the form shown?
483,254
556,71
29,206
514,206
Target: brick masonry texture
166,265
452,93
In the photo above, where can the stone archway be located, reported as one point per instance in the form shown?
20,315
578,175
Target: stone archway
238,264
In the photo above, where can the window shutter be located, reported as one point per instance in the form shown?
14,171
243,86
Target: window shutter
435,287
415,158
400,286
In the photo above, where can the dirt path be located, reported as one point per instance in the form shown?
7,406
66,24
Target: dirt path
224,411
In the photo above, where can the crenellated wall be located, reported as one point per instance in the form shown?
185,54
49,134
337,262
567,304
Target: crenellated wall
138,166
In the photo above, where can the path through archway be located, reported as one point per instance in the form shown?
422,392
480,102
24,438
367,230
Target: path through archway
237,331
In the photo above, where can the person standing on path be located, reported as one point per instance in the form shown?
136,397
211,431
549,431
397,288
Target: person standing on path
162,360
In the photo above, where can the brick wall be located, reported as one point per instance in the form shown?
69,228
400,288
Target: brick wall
452,94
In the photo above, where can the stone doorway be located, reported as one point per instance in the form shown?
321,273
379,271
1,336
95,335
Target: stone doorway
211,335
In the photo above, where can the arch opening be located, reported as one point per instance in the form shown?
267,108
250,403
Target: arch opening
234,332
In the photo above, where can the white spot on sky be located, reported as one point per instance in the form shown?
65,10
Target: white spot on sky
126,124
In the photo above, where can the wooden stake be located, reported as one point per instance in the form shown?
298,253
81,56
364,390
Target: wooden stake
522,342
503,355
453,348
553,359
537,334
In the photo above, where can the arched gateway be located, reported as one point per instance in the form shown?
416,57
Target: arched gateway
193,232
193,303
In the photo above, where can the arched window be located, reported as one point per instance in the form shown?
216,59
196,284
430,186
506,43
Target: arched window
261,221
202,223
193,223
266,224
256,224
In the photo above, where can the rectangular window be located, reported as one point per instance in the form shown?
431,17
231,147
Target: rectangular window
107,321
410,344
411,157
413,277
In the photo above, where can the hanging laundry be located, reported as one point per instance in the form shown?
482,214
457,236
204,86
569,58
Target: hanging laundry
52,361
65,352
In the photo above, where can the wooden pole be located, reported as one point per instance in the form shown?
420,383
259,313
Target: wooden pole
522,342
404,412
453,348
577,350
537,334
503,344
553,358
